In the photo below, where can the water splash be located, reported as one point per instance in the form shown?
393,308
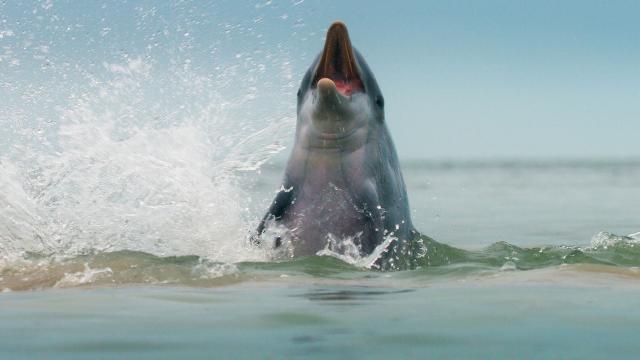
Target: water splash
348,250
86,276
147,151
605,239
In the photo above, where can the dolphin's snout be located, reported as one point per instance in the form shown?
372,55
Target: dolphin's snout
325,85
338,62
329,100
327,88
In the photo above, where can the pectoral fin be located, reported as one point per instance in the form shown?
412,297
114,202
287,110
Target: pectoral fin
279,206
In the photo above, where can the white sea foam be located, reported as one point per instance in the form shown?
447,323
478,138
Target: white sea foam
126,167
145,136
211,270
20,215
605,239
347,250
87,276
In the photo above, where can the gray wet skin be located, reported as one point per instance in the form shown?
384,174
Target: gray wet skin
343,179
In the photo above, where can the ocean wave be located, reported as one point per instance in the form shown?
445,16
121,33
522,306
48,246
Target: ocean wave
31,271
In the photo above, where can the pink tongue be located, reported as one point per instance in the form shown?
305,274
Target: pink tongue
344,88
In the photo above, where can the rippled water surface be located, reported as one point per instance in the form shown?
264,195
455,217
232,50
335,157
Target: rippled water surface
573,296
321,319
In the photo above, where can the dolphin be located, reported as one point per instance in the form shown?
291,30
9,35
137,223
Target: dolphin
343,189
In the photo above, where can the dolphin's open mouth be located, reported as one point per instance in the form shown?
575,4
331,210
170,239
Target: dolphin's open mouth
338,62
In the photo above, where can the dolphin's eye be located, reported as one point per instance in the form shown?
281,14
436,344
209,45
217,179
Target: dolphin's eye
379,101
299,92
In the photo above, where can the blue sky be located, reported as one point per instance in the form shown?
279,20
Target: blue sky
462,79
506,78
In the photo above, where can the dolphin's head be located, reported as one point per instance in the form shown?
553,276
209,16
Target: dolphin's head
339,99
